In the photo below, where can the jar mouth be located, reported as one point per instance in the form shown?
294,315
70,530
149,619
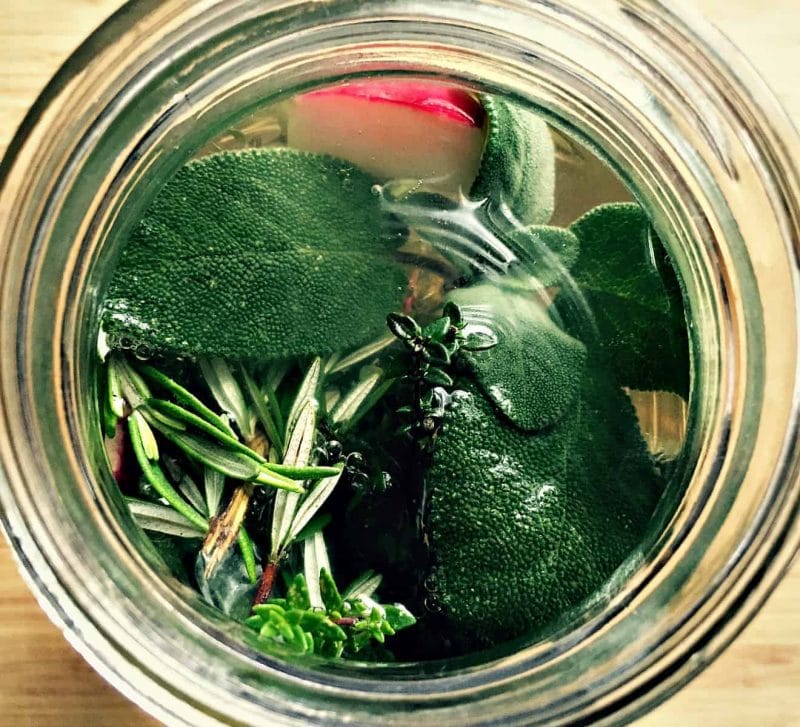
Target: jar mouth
77,172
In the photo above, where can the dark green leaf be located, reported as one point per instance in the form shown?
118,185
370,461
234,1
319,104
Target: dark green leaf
525,525
402,327
185,397
437,330
227,461
437,353
436,377
262,253
633,306
518,166
453,312
534,372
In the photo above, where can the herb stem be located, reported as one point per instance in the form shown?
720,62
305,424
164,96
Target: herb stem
266,583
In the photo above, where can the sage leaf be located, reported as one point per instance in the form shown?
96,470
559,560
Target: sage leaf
517,169
534,373
633,303
564,507
261,254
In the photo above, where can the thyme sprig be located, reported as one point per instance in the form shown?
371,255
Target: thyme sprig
432,350
315,618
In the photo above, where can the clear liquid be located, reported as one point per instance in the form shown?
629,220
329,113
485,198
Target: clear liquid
549,308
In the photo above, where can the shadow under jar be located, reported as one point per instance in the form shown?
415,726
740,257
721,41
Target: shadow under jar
700,144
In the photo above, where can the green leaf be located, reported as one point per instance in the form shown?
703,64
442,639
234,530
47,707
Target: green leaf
398,616
258,254
185,397
214,485
161,519
312,503
229,396
633,307
437,330
355,398
127,382
436,377
148,439
361,354
156,478
525,525
403,327
534,372
315,560
262,410
330,593
518,166
229,462
248,555
297,593
182,415
318,523
453,312
309,472
365,585
298,453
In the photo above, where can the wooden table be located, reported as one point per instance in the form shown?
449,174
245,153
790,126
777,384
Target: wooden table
43,681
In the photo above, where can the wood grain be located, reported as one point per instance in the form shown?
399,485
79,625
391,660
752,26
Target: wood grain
43,681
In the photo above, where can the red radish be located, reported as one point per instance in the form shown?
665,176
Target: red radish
398,129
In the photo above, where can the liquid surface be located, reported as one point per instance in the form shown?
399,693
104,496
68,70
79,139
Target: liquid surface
402,365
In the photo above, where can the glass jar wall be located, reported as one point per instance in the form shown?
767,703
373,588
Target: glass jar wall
720,188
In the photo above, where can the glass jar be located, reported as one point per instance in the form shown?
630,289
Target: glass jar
660,95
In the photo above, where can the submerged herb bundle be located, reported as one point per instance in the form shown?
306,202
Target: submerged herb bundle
322,406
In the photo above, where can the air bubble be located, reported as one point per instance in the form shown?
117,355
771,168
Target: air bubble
143,352
433,604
